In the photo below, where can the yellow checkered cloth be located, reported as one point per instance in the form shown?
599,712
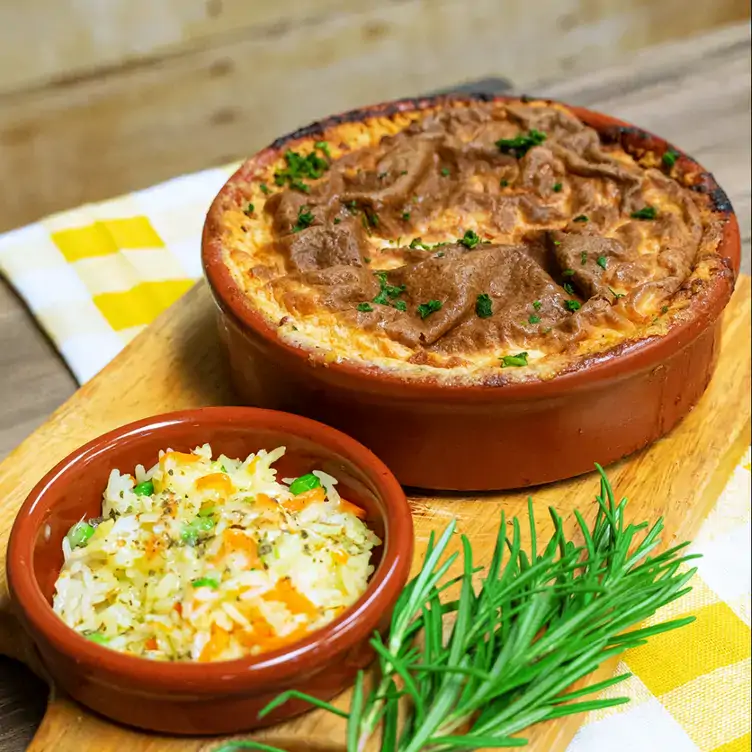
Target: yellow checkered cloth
95,276
690,688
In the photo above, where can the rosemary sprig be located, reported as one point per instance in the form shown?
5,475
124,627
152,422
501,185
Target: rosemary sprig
542,619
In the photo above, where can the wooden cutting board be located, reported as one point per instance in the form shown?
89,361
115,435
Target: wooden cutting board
176,364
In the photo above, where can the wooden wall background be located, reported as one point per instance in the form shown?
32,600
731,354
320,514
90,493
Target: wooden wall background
99,97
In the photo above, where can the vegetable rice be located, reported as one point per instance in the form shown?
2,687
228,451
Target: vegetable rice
205,560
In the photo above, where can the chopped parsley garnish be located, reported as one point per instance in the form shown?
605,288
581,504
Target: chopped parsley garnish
664,309
537,305
324,147
534,319
583,258
568,273
572,305
647,212
388,292
581,218
445,172
426,309
483,306
440,254
418,243
558,187
568,288
520,359
337,220
305,219
298,167
365,307
382,298
352,206
400,305
406,216
382,175
669,158
205,582
304,483
503,183
249,209
366,259
97,637
617,295
520,145
265,189
373,219
470,239
602,262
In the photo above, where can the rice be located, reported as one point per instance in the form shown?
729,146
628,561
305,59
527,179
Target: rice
201,559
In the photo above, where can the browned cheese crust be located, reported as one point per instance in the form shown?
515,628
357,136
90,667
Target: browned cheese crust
454,240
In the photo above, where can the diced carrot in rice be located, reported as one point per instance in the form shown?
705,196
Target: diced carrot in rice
236,541
350,508
301,501
275,643
219,482
296,603
218,643
260,630
180,458
264,502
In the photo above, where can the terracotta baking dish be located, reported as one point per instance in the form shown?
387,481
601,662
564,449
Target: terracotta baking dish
484,437
206,698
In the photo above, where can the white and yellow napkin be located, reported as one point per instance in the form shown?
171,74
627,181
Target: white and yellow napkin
690,689
95,276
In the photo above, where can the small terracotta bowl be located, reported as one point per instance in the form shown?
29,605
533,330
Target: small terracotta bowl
205,698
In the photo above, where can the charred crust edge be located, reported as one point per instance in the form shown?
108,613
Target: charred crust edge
637,142
719,201
632,139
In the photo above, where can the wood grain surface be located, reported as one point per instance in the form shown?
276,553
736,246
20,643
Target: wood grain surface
175,364
82,39
121,94
696,94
